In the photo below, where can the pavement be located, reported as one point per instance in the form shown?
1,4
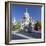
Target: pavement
25,35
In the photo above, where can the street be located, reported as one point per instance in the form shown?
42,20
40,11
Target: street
25,35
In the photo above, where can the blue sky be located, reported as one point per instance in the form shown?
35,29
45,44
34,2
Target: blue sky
17,11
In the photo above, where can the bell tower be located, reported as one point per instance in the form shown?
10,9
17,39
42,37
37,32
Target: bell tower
26,13
14,21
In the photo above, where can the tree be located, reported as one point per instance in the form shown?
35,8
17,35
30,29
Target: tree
37,25
15,27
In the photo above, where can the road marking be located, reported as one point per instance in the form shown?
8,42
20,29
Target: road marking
22,35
